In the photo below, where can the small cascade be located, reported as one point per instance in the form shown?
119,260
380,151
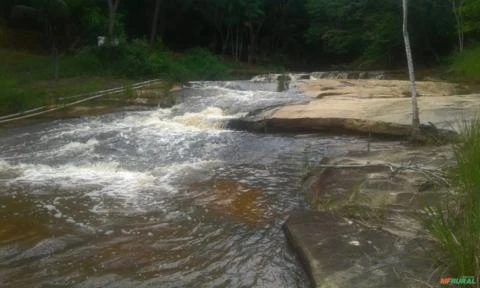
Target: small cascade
272,78
165,195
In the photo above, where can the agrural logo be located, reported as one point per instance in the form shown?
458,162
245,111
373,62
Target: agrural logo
464,280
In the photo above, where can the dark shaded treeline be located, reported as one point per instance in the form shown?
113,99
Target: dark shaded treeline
299,33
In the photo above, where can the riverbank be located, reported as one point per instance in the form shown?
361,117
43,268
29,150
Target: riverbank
27,80
133,97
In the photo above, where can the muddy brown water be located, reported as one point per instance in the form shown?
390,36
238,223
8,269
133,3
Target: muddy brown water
157,198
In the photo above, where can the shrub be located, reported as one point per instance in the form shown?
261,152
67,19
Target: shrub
203,65
455,226
138,59
15,99
467,64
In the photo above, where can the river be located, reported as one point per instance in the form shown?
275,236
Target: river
156,198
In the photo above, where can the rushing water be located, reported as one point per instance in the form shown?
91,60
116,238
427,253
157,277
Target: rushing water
158,198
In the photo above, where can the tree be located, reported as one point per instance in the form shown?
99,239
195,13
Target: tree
457,6
255,16
112,11
471,13
53,15
411,73
156,13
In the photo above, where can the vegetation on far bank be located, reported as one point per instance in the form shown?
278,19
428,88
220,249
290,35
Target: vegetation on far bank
466,66
298,34
26,80
455,225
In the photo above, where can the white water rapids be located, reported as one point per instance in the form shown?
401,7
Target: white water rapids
157,198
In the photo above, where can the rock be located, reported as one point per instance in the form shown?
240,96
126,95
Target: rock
369,107
335,125
106,281
350,75
338,252
283,82
366,229
47,247
235,201
8,252
378,187
375,88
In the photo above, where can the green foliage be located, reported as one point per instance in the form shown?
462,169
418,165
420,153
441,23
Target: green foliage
471,12
466,66
15,99
139,60
371,31
25,81
305,33
203,65
456,225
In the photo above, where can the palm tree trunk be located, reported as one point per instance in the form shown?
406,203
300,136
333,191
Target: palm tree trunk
411,73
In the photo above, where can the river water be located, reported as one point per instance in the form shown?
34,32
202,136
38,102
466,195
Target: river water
156,198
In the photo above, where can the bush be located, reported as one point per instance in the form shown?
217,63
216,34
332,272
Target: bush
467,64
140,60
203,65
26,79
456,225
14,99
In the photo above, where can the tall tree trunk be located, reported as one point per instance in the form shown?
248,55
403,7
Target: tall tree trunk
153,35
112,9
252,47
56,66
459,19
237,43
411,73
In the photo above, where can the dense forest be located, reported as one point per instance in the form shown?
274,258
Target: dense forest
302,34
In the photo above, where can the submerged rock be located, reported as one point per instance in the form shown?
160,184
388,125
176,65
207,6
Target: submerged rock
236,201
47,247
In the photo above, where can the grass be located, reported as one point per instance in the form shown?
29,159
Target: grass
455,226
466,66
26,80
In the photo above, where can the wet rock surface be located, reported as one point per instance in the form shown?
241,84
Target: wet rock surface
369,107
365,229
339,252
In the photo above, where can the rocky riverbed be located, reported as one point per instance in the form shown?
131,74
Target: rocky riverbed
169,196
364,228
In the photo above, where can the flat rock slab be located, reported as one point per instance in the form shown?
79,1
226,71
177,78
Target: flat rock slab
443,111
338,252
376,107
377,187
324,88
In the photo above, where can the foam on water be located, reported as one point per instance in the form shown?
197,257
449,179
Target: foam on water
131,175
211,118
78,146
108,178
